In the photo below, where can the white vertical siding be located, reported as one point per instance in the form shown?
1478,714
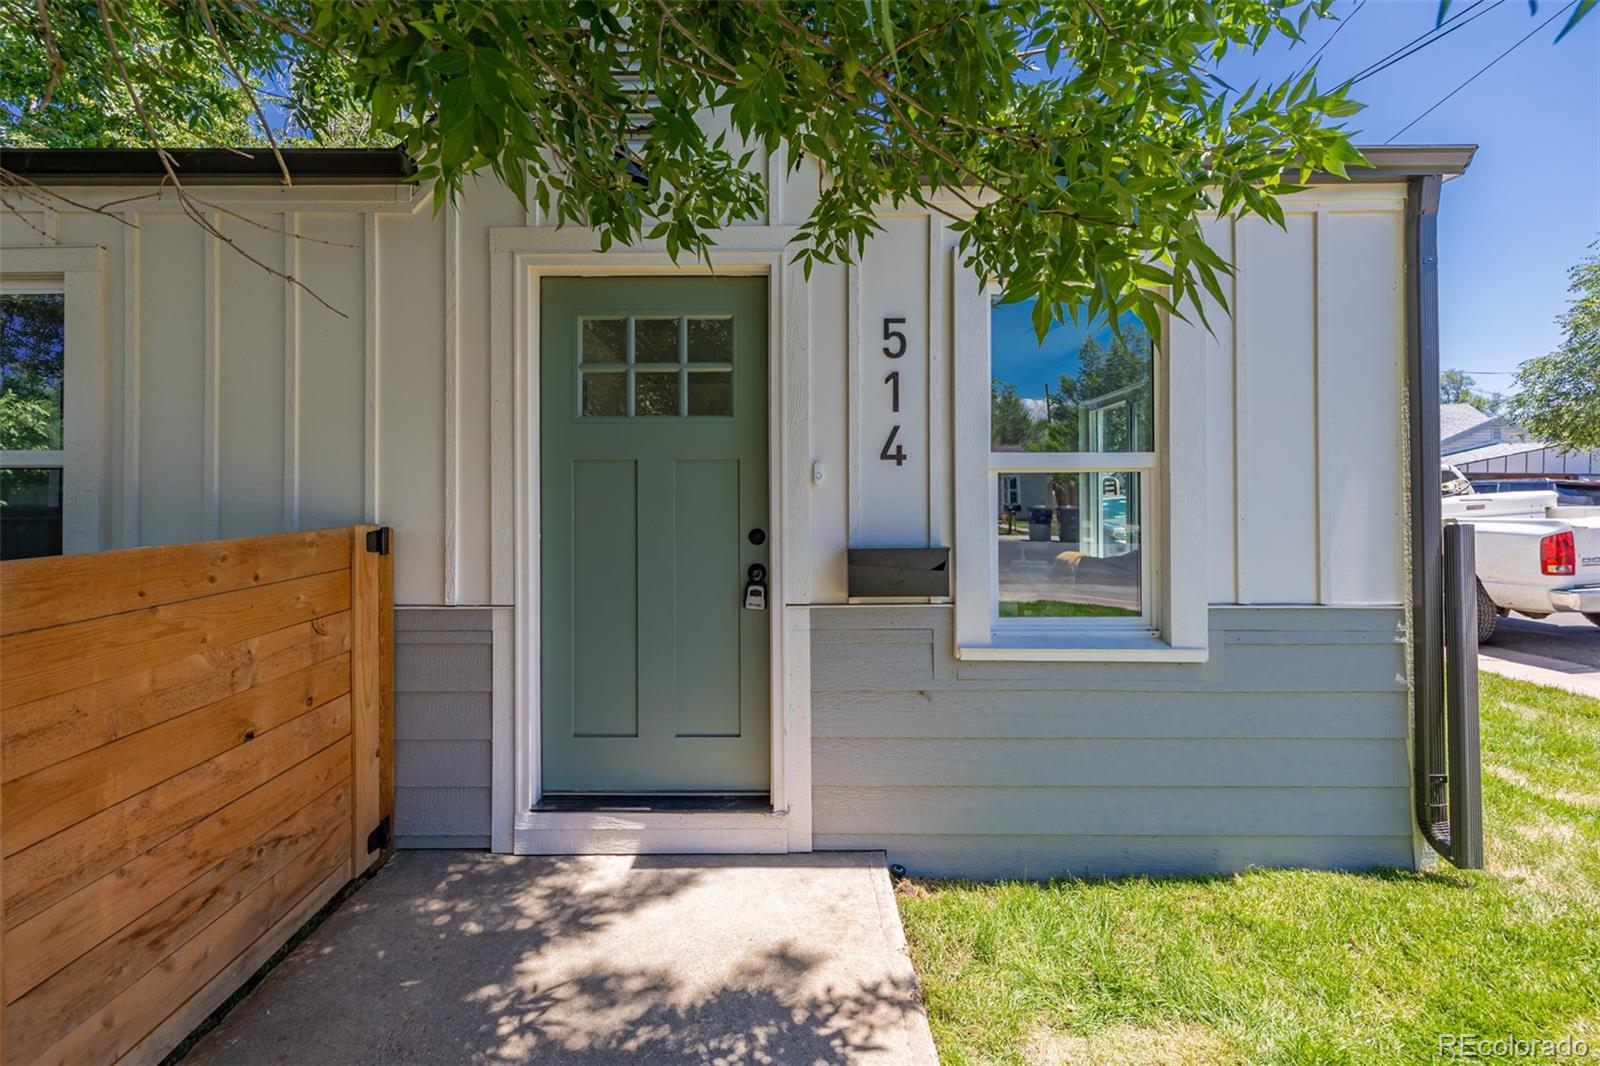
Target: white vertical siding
1303,386
1275,397
332,378
250,378
172,404
411,400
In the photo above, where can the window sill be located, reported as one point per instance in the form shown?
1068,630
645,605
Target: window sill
1095,647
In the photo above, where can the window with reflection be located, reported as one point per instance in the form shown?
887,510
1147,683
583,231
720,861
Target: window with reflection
1072,451
32,365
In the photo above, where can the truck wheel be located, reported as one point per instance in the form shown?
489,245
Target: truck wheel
1593,617
1488,615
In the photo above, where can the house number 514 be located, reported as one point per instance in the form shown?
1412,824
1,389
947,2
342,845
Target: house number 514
894,347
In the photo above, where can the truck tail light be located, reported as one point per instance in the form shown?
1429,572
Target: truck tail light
1558,553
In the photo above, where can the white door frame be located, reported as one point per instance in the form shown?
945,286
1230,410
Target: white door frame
520,257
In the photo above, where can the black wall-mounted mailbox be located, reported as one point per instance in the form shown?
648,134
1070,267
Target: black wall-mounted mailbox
889,572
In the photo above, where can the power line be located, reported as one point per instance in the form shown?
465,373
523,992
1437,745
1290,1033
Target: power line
1342,24
1447,27
1420,37
1482,70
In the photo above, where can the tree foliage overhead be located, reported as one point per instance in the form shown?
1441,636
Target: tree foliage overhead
1558,395
1073,142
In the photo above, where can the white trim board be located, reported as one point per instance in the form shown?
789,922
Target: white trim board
520,257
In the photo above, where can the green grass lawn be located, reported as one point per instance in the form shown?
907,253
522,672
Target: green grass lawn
1296,966
1061,609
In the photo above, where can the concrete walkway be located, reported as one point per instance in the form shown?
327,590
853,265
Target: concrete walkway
453,957
1562,651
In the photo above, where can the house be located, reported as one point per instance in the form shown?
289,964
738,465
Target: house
1486,446
1463,427
623,493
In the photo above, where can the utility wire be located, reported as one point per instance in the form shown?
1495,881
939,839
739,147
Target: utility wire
1448,28
1342,24
1483,70
1420,37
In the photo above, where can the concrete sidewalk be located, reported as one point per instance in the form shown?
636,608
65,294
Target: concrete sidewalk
453,957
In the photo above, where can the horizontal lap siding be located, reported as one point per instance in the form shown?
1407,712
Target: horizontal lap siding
442,769
1287,748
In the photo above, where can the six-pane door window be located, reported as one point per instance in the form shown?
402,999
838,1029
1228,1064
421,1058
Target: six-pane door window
32,455
1072,454
655,367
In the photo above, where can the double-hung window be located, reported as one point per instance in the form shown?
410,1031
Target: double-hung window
32,404
51,366
1065,536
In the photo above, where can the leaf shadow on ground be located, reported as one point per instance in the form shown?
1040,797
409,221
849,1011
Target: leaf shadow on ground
460,970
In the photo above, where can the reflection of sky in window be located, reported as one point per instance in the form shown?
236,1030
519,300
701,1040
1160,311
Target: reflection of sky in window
1018,358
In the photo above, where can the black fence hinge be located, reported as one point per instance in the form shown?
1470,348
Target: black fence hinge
378,839
378,540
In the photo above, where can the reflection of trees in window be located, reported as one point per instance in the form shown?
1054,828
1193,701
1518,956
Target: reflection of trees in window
1009,421
32,347
32,343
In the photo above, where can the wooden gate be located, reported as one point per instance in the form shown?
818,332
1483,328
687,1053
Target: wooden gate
195,756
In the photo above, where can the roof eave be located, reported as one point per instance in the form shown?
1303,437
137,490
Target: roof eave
209,166
1397,162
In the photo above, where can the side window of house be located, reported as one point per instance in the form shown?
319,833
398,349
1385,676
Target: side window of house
1071,464
32,422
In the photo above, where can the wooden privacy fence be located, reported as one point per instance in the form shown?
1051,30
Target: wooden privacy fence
195,756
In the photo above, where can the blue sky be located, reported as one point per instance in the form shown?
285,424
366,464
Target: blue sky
1529,207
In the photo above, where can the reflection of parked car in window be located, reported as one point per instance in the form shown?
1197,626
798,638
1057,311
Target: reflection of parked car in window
1570,492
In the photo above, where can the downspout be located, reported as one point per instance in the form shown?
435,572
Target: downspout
1427,579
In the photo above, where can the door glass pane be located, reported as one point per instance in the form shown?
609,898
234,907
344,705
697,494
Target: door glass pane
32,353
605,340
655,340
30,512
710,340
1085,388
605,393
711,392
656,394
1069,544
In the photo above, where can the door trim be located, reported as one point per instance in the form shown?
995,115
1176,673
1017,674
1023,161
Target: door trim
520,257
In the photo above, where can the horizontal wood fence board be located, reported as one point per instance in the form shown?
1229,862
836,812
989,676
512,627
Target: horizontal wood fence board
110,1032
58,1005
40,593
37,877
196,744
42,945
54,798
46,731
211,995
44,662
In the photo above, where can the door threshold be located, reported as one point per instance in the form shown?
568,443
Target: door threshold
668,803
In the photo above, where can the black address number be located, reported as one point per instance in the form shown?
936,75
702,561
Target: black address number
894,347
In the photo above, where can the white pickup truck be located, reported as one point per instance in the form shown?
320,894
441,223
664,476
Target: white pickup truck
1534,557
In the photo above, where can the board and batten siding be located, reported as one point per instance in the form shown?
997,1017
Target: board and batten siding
222,383
1286,748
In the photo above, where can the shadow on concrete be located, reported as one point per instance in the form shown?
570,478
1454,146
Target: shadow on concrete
449,957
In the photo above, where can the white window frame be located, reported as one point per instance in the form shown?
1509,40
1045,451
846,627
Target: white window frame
1173,623
75,273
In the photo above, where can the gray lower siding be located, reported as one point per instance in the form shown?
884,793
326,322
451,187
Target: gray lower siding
1287,748
442,726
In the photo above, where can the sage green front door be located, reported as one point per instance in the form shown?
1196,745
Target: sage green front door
653,506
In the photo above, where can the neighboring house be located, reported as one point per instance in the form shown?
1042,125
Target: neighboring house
1526,458
592,460
1463,427
1482,445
